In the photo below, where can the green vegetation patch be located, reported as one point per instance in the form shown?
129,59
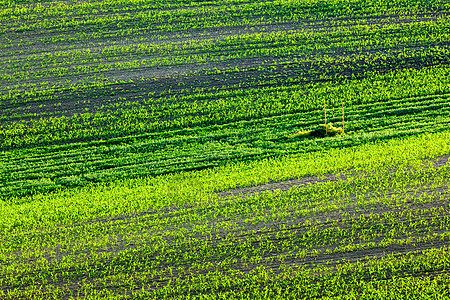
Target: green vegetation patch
383,220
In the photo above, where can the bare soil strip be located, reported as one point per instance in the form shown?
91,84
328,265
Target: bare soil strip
288,184
276,186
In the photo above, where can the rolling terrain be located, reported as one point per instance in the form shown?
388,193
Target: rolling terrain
160,149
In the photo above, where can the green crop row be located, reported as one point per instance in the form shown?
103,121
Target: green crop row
63,64
238,138
26,19
252,104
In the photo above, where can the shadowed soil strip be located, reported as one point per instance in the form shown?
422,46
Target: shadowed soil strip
282,186
440,161
288,184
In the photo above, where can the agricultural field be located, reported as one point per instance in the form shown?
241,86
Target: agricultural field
171,149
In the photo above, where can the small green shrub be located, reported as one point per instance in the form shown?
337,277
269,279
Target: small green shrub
318,131
328,130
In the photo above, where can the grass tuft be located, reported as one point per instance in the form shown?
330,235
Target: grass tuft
300,134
